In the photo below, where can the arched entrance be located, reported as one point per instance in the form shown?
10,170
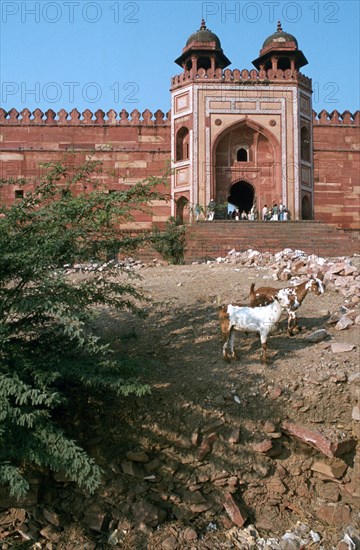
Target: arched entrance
306,208
182,210
242,195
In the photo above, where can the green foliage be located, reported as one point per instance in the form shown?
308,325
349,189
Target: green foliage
170,242
46,344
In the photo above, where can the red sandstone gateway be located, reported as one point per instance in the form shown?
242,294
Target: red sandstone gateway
248,137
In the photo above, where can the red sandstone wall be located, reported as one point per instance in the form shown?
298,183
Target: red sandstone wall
336,141
134,147
130,148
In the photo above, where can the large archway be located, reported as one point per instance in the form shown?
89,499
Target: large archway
241,195
242,153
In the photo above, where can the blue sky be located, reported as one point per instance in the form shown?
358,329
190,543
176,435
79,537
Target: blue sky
120,54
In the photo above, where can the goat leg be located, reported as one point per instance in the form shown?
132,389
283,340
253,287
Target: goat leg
225,352
264,354
229,346
292,323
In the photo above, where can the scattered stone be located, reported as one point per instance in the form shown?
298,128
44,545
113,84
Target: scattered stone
116,537
263,446
137,456
183,442
235,436
152,465
195,437
269,427
327,491
355,415
145,512
343,323
275,393
237,515
170,543
96,519
189,534
52,517
340,376
50,532
183,512
334,514
213,424
334,470
316,440
207,445
133,468
339,347
275,485
317,336
334,318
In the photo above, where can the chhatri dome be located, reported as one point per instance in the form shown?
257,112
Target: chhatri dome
203,51
280,36
203,35
280,51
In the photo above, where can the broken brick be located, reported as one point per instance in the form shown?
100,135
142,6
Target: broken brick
319,442
236,514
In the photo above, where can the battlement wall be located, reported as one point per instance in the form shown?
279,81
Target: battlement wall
87,118
324,118
243,76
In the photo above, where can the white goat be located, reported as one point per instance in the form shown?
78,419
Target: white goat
261,319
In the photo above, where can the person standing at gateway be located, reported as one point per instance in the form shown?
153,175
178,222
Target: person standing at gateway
264,212
211,210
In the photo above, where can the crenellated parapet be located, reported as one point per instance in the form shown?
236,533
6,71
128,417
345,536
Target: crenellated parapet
243,76
86,118
324,118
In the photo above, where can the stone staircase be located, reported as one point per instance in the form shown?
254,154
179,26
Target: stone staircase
209,240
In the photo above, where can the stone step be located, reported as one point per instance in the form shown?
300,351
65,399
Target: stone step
207,240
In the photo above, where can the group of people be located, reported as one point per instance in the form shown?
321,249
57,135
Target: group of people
251,215
275,213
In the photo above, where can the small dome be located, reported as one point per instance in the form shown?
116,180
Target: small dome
280,36
203,35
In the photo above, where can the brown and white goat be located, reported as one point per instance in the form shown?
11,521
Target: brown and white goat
261,319
265,295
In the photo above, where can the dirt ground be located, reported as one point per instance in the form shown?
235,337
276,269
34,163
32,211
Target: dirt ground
200,425
212,430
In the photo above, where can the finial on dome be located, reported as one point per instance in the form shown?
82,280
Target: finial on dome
203,25
279,27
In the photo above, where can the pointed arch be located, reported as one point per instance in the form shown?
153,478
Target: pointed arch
182,144
263,166
182,210
242,194
306,211
249,124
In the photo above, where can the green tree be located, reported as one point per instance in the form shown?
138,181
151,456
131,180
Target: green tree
46,344
170,241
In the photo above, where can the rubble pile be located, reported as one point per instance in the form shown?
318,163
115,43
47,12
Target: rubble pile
126,264
295,266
